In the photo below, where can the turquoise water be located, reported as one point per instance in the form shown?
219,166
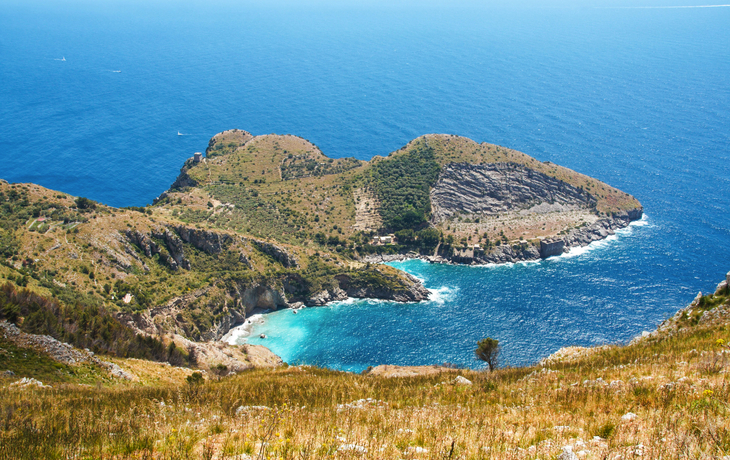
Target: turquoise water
639,98
533,308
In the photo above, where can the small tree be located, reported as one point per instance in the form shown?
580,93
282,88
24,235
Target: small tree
488,351
84,203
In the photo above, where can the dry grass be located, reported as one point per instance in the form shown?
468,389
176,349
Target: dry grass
676,385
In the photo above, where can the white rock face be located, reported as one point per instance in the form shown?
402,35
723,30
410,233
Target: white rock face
459,380
568,454
498,188
26,382
628,416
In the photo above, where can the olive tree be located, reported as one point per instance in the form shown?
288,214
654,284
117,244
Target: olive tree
488,351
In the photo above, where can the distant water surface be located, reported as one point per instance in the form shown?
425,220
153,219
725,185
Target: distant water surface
638,98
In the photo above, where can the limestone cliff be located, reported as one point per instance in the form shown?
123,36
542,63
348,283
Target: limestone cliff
497,188
545,215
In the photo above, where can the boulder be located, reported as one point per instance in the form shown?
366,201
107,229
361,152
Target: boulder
567,454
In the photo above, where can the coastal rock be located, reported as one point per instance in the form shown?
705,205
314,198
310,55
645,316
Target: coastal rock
326,296
497,188
183,179
721,288
410,291
262,296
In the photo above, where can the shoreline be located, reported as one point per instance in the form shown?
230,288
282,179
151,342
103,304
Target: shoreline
504,254
244,330
257,316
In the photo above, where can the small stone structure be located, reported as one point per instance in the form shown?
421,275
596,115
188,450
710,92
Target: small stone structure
197,157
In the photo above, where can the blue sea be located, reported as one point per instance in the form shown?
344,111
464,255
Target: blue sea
107,99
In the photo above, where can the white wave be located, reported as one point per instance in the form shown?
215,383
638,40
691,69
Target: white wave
348,301
643,222
240,333
442,295
577,251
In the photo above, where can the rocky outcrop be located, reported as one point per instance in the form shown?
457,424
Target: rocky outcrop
587,234
498,188
206,241
213,354
56,350
409,289
172,253
184,180
523,251
262,296
324,297
277,253
174,246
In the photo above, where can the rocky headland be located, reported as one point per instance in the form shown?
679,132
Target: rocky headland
269,222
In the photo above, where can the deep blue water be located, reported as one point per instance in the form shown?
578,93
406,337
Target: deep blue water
639,98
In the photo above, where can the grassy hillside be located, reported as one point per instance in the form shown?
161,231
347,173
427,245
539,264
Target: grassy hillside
153,266
663,396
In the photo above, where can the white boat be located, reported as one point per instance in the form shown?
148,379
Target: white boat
180,134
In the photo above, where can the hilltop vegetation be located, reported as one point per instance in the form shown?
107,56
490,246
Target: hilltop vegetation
402,184
285,188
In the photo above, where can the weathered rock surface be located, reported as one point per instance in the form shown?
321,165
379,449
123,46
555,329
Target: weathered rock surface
56,350
183,179
206,241
324,297
172,253
497,188
413,290
277,253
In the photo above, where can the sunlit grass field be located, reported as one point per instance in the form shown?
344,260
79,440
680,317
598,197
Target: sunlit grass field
665,396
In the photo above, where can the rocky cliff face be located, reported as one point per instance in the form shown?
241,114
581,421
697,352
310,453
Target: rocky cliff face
210,242
412,292
498,188
183,179
171,252
527,251
277,253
